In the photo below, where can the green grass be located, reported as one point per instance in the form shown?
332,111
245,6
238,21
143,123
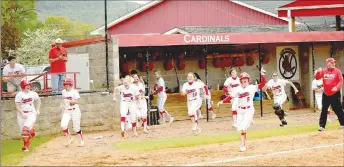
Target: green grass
189,141
11,153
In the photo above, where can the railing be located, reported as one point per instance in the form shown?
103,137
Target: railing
45,77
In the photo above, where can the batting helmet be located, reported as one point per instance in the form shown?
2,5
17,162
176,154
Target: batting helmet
244,75
68,81
24,83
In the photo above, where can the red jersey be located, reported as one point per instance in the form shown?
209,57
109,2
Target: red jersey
331,78
58,65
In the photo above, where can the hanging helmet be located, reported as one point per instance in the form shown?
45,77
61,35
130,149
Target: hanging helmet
244,75
24,83
68,81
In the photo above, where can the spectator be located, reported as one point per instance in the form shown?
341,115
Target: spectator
58,58
12,70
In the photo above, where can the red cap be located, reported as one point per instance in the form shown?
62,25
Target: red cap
24,83
330,60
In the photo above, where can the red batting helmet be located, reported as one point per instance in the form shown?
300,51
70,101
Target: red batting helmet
24,83
68,81
244,75
330,60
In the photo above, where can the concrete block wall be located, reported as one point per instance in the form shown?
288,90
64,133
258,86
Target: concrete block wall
97,113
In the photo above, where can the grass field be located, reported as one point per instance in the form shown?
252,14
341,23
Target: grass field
189,141
11,153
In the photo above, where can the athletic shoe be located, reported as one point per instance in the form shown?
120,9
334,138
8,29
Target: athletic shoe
321,129
122,133
25,149
69,141
145,131
171,120
81,144
242,148
135,134
194,127
197,131
213,116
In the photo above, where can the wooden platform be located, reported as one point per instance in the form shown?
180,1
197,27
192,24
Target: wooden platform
176,106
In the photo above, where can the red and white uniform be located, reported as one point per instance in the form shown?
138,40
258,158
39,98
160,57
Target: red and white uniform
205,92
26,101
245,104
142,103
129,101
194,100
161,92
318,94
230,85
278,90
70,111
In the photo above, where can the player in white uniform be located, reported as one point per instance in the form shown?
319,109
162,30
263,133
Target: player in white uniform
159,89
12,69
205,96
194,101
129,95
245,94
71,111
142,104
277,85
26,112
317,86
230,85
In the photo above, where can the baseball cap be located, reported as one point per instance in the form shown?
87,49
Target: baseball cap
58,40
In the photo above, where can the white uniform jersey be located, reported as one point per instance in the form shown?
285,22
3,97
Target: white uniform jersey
141,87
194,90
202,91
129,94
160,83
277,87
26,100
10,71
318,84
232,82
71,95
244,95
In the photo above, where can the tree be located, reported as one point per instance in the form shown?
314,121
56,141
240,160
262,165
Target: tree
35,46
69,30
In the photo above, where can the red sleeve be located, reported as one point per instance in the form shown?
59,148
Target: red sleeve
340,77
206,90
262,83
227,99
160,88
225,89
51,56
319,74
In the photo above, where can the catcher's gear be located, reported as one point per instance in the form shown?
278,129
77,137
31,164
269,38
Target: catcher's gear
244,75
68,81
25,83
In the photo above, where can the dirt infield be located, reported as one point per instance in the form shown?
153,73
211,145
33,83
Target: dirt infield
103,152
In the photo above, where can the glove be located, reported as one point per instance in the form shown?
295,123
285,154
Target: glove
38,112
219,103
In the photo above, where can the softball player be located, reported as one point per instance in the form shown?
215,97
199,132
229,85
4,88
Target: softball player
317,86
205,98
71,111
162,96
26,112
142,103
194,101
230,85
245,94
277,86
129,95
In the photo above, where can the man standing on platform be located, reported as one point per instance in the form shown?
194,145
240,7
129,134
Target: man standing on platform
57,58
332,83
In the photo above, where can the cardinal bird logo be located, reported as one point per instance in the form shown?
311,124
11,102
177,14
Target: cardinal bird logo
287,63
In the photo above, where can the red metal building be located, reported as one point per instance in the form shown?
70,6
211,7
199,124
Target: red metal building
162,16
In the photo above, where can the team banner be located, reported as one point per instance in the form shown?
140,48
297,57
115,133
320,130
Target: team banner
288,65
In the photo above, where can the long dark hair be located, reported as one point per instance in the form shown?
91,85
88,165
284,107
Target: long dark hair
197,76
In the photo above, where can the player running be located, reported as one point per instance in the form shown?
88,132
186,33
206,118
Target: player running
26,112
71,111
162,96
317,86
142,103
203,95
194,101
230,85
129,95
245,94
277,85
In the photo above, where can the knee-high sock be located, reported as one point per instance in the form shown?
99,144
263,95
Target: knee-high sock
234,115
122,123
80,134
66,131
243,138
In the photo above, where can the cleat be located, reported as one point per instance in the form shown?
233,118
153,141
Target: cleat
281,125
197,131
171,120
25,149
194,127
242,148
145,131
321,129
135,134
69,141
122,133
81,144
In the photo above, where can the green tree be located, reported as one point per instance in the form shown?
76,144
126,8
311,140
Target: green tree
69,30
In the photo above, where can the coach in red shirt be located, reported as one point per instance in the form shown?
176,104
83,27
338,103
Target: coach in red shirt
332,83
58,58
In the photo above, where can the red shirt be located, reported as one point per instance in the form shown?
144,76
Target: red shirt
331,78
58,65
